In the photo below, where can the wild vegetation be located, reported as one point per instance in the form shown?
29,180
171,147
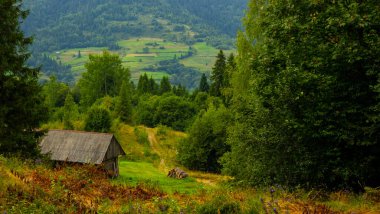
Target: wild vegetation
289,124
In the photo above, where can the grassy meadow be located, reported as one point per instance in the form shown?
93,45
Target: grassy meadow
134,173
140,54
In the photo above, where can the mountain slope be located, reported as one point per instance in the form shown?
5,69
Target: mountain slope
71,24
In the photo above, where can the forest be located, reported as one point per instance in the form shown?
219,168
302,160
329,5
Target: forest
287,122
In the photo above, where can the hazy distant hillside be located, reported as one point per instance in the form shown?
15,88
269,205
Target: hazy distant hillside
224,15
60,24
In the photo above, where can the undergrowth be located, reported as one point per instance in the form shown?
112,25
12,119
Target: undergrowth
30,187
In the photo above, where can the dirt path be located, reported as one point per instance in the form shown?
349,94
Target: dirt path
154,145
201,177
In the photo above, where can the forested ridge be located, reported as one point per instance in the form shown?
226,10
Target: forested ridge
289,123
73,24
57,25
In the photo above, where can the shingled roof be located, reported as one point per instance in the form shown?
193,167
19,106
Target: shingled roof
80,147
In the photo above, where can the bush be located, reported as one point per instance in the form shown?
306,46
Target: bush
175,112
206,141
142,136
219,205
98,120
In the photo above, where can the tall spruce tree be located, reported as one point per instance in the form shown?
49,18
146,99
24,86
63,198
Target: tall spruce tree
123,106
218,75
143,84
165,85
203,84
21,109
306,95
153,86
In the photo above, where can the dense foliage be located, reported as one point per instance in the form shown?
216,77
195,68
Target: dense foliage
21,103
123,108
50,67
98,120
306,95
169,110
207,140
180,74
104,77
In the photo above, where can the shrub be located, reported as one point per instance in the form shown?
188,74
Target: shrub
219,205
98,120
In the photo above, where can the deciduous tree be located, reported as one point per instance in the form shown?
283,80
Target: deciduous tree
306,95
103,77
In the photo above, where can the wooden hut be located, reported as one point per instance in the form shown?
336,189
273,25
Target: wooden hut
83,147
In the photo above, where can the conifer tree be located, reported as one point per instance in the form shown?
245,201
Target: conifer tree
165,85
21,103
180,91
218,75
143,84
153,86
123,106
203,85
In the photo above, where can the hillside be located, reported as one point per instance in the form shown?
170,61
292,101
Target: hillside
92,26
182,63
74,24
143,187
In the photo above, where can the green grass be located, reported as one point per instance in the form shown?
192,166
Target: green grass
154,75
69,57
133,173
205,57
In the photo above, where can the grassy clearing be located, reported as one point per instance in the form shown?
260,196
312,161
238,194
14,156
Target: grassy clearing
134,173
70,57
205,57
156,147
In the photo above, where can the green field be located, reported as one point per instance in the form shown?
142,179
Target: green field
137,172
204,58
139,54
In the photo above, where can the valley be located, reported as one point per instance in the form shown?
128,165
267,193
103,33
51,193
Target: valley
143,55
179,106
